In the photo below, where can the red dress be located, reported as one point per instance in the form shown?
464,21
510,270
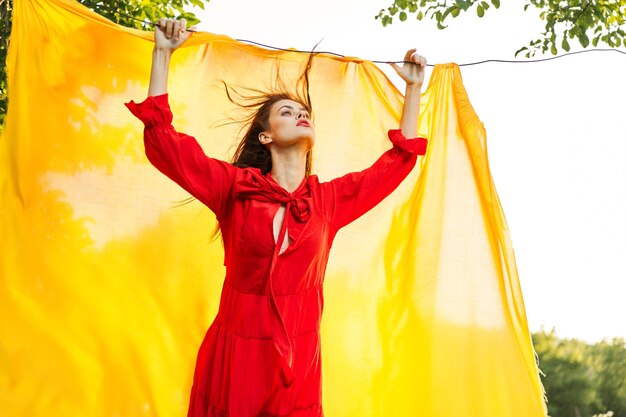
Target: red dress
261,354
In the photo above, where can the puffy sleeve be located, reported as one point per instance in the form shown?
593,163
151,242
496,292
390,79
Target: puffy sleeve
354,194
180,157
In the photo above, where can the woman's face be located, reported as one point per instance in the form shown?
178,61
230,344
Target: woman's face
290,124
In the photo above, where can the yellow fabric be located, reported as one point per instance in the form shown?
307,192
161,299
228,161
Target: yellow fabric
108,287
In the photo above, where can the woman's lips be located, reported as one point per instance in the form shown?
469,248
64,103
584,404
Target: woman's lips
303,123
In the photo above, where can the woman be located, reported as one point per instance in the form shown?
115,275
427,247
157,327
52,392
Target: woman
261,354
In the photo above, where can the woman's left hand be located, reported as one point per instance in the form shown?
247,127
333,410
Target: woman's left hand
412,71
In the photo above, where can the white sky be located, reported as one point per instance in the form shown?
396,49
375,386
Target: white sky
556,135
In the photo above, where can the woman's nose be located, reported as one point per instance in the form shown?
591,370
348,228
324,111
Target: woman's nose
302,114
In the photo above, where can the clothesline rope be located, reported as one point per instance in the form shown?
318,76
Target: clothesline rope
390,62
432,65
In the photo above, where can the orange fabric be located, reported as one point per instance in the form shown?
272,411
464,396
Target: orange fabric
109,284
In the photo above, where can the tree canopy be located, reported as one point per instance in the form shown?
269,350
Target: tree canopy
582,379
588,21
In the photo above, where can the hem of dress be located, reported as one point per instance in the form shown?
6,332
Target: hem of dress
314,410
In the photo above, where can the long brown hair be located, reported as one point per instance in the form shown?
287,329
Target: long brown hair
250,152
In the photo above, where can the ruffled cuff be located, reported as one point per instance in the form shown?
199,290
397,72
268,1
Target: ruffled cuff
417,145
154,110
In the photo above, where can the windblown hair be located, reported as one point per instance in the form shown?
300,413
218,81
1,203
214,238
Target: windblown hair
250,152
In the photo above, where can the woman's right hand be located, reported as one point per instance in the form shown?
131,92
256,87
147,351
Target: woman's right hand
169,34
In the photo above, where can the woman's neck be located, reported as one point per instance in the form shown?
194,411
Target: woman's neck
288,167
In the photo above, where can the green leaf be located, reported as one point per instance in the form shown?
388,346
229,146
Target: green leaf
413,7
402,16
553,49
464,4
523,48
393,10
485,5
597,13
454,11
440,26
526,6
420,15
588,19
444,15
496,3
565,44
480,11
584,40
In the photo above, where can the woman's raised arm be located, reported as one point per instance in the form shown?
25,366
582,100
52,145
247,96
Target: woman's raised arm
176,154
356,193
412,72
169,34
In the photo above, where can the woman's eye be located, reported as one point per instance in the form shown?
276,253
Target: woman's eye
286,113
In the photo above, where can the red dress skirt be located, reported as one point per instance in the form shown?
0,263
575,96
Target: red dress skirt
261,356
